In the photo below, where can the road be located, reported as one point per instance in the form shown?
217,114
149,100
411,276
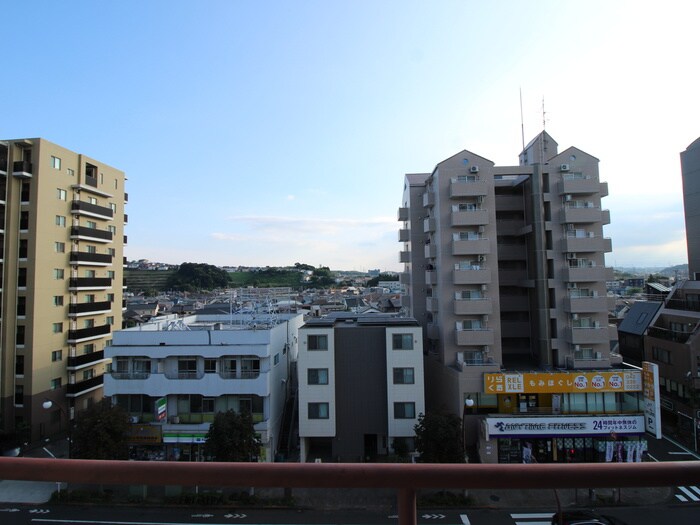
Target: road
93,515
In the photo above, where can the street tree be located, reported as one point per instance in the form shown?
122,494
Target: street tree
232,437
439,438
101,432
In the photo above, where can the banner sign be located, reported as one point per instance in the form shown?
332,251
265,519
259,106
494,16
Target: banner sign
563,426
563,382
652,399
161,409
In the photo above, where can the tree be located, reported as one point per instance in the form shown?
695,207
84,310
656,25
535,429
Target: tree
198,276
101,432
232,437
439,438
374,281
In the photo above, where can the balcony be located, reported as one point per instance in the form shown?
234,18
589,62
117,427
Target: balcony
509,227
126,219
83,387
403,214
588,243
585,214
431,277
431,304
474,337
76,310
404,235
669,335
430,251
91,210
471,247
515,329
428,200
90,234
126,197
480,306
405,256
468,188
84,360
470,218
512,277
577,183
90,259
475,275
509,202
22,169
405,278
588,304
76,284
88,334
592,335
581,363
429,225
588,274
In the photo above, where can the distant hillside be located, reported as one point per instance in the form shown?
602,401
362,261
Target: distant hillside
141,280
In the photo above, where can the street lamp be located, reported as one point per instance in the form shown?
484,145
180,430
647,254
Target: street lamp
47,405
468,405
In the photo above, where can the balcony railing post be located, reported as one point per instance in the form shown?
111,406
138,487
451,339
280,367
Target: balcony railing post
407,507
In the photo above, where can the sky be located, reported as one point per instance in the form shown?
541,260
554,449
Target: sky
270,132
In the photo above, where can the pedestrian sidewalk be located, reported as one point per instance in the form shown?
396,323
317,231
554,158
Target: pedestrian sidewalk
34,492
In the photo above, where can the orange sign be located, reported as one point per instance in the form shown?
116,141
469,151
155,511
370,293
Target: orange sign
563,382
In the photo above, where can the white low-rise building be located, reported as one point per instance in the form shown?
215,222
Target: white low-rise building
174,374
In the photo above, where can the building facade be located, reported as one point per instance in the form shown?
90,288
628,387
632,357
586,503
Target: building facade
173,374
63,218
360,386
690,172
505,269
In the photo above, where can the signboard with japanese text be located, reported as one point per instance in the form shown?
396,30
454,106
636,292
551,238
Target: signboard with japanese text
563,426
162,409
652,399
563,382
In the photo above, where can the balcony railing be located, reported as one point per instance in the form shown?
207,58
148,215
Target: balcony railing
682,304
75,389
669,335
96,259
85,359
89,283
89,308
85,334
407,479
92,210
22,169
78,232
131,375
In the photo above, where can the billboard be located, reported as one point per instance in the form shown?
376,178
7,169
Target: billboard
563,382
652,399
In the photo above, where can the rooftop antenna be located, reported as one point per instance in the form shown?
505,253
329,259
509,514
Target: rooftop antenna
522,122
544,137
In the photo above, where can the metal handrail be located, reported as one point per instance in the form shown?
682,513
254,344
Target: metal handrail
406,478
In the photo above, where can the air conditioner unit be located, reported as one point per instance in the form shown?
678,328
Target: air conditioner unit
484,287
482,229
596,324
574,317
577,348
564,167
474,169
590,235
567,198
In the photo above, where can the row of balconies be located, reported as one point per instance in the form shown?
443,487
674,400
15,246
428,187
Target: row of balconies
159,384
90,234
91,210
591,243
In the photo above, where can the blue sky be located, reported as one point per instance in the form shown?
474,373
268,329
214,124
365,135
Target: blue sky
270,132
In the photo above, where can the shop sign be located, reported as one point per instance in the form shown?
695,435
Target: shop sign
563,426
563,382
184,437
162,408
145,434
652,399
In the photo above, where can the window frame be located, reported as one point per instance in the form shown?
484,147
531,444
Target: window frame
316,346
314,376
404,337
400,411
315,410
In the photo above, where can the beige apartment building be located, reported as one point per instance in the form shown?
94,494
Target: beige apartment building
62,229
505,270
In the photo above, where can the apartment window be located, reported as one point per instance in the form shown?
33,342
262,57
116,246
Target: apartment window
112,229
59,247
88,374
61,194
317,376
55,163
24,220
91,249
404,410
210,366
19,365
110,274
110,320
71,172
23,248
404,376
318,410
111,251
276,359
60,220
19,335
92,200
57,355
402,341
58,273
92,225
90,298
317,342
110,297
208,405
19,394
88,348
21,277
89,323
661,355
57,328
90,273
113,207
187,368
21,306
56,383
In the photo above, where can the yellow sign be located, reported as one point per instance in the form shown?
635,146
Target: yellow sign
563,382
649,384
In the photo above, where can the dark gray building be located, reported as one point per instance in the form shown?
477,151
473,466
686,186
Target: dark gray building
690,170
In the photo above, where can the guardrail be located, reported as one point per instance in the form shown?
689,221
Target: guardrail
405,478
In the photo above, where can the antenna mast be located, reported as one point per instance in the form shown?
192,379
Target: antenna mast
522,122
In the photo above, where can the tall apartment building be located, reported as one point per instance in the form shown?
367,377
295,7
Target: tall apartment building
62,230
505,269
690,171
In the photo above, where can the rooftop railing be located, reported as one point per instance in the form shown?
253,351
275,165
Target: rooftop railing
407,479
